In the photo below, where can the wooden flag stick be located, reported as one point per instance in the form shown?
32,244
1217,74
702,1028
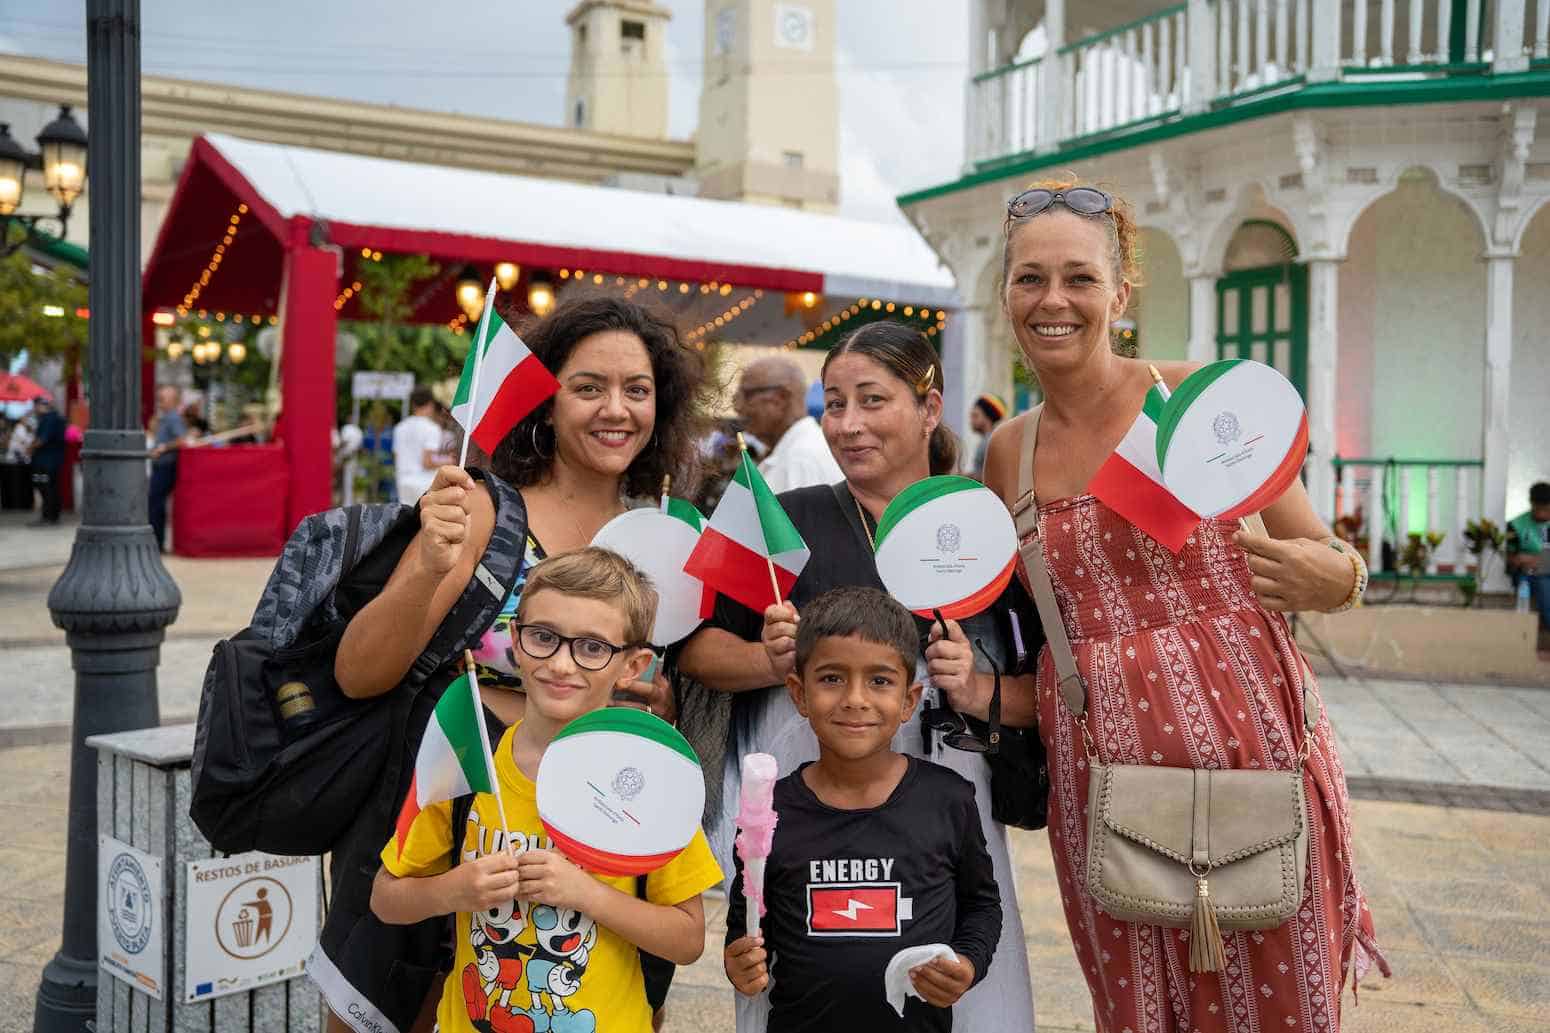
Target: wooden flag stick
473,388
489,755
774,584
1244,523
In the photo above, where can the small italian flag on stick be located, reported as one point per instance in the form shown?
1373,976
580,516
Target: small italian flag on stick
749,550
502,382
455,758
1131,483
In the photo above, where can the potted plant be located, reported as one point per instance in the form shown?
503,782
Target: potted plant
1485,540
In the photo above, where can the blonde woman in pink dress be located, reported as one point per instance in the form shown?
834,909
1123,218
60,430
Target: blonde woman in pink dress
1187,659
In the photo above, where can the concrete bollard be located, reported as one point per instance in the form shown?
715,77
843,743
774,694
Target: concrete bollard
143,790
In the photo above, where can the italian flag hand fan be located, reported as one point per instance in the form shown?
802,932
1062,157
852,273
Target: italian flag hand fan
946,543
1232,438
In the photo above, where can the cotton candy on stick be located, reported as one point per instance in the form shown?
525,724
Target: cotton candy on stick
756,820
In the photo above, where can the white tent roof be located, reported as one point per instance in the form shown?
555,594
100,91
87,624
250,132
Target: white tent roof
854,256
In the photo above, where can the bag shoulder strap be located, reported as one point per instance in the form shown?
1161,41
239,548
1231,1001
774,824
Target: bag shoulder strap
494,577
1025,516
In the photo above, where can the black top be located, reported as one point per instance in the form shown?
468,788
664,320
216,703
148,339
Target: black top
829,521
847,890
50,438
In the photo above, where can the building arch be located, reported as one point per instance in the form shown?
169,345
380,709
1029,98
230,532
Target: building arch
1391,182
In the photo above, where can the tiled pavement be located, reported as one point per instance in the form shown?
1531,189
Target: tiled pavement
1462,899
1453,785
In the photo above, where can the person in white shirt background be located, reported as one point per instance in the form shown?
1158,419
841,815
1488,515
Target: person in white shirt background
418,447
771,401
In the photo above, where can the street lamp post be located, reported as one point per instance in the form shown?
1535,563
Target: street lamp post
114,599
61,157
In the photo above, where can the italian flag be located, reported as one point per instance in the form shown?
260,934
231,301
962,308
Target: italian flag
1130,482
510,382
747,536
682,509
454,758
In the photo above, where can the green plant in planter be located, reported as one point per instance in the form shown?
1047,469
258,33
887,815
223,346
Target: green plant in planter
1416,556
1470,589
1486,540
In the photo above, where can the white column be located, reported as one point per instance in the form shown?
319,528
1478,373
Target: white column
974,105
1202,318
1323,353
1052,81
1507,36
1498,374
965,362
1324,65
1201,51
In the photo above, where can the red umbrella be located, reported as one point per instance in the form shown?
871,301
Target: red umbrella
17,388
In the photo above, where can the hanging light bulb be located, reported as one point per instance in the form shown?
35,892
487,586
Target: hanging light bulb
174,348
507,274
540,294
470,292
236,351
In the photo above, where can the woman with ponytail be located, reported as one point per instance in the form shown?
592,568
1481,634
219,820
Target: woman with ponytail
882,419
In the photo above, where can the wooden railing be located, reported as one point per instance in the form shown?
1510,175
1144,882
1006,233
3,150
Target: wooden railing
1382,490
1191,57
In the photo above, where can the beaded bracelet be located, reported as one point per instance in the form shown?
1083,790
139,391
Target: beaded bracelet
1358,567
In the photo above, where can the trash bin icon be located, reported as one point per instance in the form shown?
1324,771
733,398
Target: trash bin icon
242,928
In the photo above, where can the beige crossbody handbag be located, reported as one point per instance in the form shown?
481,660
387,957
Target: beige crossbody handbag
1185,848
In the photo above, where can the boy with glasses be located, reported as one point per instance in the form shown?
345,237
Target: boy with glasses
540,944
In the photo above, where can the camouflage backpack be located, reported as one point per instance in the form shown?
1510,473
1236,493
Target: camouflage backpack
283,761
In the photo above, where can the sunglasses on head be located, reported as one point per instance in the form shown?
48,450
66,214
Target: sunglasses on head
1081,200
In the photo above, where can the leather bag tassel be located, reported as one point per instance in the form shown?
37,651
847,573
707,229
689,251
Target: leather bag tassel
1206,950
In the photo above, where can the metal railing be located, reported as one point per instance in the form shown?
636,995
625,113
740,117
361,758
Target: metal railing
1383,491
1189,58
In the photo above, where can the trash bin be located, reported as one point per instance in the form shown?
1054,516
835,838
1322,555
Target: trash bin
189,940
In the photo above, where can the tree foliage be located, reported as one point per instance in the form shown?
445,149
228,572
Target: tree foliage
25,288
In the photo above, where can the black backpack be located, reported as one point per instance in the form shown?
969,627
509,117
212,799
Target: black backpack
283,761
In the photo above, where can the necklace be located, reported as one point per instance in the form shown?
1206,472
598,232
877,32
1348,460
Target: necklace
862,513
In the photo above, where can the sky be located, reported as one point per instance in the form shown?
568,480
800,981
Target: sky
902,66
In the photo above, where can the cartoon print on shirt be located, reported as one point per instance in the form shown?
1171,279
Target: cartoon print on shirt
564,940
496,971
504,987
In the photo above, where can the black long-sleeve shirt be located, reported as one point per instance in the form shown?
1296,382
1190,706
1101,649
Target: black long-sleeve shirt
847,890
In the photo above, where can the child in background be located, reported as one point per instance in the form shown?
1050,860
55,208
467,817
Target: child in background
875,851
540,944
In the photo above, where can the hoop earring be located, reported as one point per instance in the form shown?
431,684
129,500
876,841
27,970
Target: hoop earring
536,450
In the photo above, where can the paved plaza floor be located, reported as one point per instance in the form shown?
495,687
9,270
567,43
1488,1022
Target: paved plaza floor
1452,821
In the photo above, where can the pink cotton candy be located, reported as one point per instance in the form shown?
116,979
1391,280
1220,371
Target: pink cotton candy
756,819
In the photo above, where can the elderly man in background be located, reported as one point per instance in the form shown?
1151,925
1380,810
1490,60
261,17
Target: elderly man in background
771,402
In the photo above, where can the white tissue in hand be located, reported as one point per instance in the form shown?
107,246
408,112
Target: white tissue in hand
896,979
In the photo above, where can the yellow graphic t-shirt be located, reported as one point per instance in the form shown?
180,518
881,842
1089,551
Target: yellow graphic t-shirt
526,967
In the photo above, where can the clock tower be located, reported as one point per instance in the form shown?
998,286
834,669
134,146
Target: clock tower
769,106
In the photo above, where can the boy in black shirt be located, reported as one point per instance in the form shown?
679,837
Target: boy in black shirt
875,851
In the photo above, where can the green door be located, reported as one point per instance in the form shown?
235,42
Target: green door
1262,314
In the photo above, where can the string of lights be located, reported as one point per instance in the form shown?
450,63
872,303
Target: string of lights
213,263
870,310
696,336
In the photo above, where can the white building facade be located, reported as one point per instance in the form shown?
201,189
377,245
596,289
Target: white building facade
1352,190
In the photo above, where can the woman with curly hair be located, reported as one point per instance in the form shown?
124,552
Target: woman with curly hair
628,411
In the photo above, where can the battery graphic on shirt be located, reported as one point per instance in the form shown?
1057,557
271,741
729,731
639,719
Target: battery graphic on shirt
856,909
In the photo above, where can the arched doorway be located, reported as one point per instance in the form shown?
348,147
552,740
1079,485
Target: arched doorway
1262,301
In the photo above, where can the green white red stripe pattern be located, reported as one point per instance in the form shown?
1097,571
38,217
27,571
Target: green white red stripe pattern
1232,438
1130,482
620,792
512,383
686,511
747,531
454,758
948,544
